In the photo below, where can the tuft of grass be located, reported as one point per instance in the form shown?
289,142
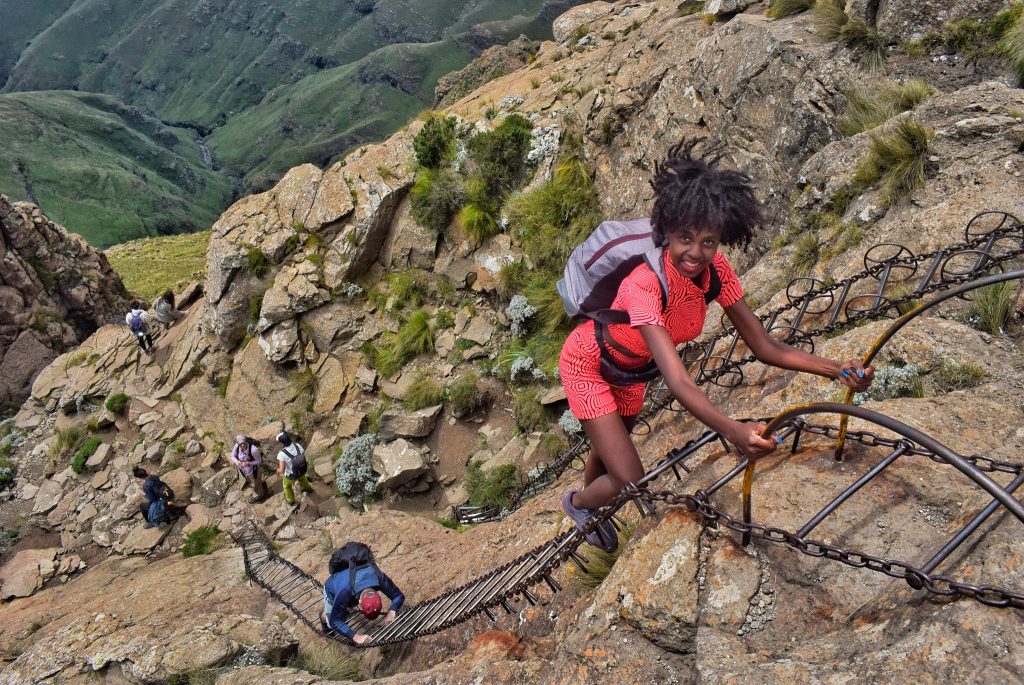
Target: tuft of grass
423,392
871,105
1012,45
83,454
444,319
686,9
805,255
551,445
116,403
479,220
953,375
897,160
993,304
834,24
92,424
465,394
415,337
194,676
452,524
493,488
326,660
305,384
66,440
780,9
600,562
1000,36
257,262
222,385
202,540
530,414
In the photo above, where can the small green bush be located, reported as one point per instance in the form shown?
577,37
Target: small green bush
408,287
83,454
202,540
257,262
423,392
874,104
435,143
993,304
465,394
529,412
116,403
436,198
7,468
444,319
897,160
500,156
788,8
493,488
953,375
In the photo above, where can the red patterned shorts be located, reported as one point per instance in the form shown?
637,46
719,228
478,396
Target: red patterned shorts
589,394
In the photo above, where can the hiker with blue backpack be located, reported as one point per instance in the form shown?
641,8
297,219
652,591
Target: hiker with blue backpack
158,506
292,467
138,323
643,287
355,581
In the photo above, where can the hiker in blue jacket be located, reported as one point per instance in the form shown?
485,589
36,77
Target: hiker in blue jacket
155,491
357,584
138,323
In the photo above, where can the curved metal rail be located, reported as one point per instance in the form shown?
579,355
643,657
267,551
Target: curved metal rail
907,318
813,308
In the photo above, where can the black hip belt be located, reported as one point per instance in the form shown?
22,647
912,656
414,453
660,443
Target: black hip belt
615,374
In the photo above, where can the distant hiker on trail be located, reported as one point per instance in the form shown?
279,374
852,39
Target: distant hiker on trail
644,287
163,308
292,465
246,456
159,505
138,323
355,580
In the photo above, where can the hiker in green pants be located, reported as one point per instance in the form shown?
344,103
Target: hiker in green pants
292,465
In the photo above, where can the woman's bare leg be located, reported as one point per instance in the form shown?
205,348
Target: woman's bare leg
611,445
594,468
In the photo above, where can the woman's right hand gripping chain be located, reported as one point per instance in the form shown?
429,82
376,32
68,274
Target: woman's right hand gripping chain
747,438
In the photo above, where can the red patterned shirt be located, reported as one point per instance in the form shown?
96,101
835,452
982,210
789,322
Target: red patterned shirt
640,296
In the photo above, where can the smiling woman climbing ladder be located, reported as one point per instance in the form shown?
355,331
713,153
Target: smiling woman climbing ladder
644,287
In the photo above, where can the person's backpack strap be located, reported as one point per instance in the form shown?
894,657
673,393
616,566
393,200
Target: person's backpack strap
714,285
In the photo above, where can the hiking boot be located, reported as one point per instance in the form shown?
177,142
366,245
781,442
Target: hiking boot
581,517
147,524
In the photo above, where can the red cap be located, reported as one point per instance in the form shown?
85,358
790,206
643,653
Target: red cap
371,606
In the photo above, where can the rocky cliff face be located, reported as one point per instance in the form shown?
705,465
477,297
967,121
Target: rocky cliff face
55,291
302,288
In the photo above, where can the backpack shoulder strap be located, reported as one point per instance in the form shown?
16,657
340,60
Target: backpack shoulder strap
655,260
714,285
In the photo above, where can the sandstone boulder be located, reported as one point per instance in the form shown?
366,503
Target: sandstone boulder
26,572
212,492
398,463
395,423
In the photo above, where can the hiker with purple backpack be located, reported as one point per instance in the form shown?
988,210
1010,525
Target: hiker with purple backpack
643,287
138,323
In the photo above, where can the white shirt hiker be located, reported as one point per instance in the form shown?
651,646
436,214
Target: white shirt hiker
287,454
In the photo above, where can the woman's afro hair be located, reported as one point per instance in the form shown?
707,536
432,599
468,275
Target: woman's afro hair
692,194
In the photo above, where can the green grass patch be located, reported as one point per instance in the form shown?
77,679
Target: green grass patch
305,385
780,9
150,266
423,392
66,439
415,337
992,305
868,106
897,160
834,24
202,540
324,659
953,375
436,198
530,414
117,403
491,488
83,453
599,563
257,262
465,394
998,37
806,251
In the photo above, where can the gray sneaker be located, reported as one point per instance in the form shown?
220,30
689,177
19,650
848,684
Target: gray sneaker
599,537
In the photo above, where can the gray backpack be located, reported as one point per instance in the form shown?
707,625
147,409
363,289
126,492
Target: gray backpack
592,277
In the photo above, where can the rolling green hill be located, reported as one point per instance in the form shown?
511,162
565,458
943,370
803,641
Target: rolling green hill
269,85
103,169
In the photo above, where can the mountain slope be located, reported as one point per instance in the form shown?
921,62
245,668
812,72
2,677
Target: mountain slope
105,170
